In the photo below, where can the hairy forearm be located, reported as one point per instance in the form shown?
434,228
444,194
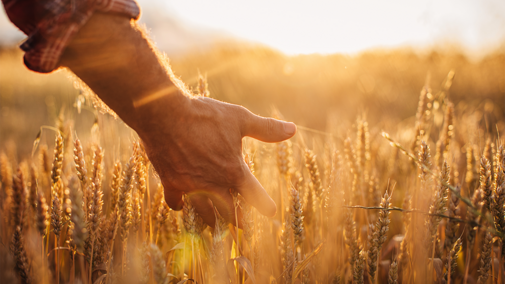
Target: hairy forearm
116,60
195,144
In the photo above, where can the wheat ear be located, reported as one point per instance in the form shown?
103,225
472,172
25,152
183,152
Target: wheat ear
22,266
485,259
379,235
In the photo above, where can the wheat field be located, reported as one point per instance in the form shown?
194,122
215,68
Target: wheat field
398,190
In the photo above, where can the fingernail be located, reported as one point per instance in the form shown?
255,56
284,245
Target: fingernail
289,128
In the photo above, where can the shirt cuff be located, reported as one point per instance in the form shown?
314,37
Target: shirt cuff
62,21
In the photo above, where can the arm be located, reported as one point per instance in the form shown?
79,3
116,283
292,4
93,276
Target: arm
115,59
195,144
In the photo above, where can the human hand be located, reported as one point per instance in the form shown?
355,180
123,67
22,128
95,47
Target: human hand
195,144
196,147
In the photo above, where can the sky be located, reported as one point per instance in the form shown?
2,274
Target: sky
321,26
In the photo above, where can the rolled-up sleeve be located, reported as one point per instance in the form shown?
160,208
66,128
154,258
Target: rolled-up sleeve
51,24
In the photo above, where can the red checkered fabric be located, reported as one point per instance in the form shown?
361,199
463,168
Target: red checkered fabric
50,25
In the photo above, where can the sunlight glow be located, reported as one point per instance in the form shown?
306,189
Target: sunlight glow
326,26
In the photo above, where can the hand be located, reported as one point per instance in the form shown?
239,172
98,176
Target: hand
195,145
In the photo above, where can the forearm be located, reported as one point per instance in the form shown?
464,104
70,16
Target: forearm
113,57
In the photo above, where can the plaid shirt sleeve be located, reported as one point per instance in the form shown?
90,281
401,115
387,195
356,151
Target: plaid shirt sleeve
51,24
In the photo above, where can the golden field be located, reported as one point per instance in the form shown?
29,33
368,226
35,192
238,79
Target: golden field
396,175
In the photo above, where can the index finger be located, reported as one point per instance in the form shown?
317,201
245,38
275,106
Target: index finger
254,194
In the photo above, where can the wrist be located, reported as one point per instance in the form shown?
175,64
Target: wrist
160,115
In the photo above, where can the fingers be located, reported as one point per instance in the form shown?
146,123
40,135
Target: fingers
267,129
173,198
223,201
203,207
255,195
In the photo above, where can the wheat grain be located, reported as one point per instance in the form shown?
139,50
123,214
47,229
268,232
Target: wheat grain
351,237
485,182
247,221
315,178
6,182
193,223
287,255
439,204
80,164
33,189
157,264
18,199
446,134
42,217
393,273
359,268
22,266
297,217
57,160
284,157
124,199
115,184
485,259
56,216
162,214
452,227
452,258
471,170
378,235
80,232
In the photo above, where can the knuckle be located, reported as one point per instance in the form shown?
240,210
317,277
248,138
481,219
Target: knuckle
242,115
240,109
236,174
270,125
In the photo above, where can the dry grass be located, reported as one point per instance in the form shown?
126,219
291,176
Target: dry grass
353,206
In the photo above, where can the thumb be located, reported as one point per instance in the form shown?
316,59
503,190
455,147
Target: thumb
267,129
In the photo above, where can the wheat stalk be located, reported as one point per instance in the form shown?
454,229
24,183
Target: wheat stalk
498,198
297,217
485,259
471,169
162,215
359,268
451,264
351,237
18,199
115,185
378,235
393,273
446,134
485,182
80,232
193,223
57,160
22,266
439,205
284,157
42,217
452,227
312,167
158,264
80,163
32,190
